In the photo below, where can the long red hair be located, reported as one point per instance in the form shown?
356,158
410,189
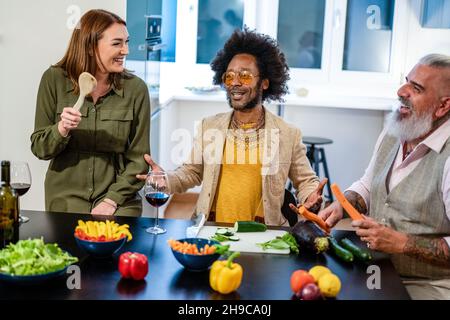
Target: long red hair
82,53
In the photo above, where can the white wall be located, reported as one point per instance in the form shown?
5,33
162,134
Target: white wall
33,35
354,133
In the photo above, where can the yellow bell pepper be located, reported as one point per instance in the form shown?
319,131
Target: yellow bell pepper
226,276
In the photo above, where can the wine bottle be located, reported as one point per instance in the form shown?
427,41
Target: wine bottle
9,209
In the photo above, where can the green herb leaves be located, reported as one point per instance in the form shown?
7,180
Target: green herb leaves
287,241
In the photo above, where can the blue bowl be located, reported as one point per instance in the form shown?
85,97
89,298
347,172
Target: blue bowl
194,262
101,248
32,279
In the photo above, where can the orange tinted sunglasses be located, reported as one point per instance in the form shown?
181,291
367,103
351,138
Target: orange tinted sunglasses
244,77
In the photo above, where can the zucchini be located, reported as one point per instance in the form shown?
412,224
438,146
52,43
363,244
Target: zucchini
230,232
225,231
222,231
339,251
219,238
249,226
359,253
308,235
224,234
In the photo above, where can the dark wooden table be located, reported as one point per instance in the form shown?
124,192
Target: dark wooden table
266,276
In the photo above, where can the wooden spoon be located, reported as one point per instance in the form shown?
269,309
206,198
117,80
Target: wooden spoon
87,84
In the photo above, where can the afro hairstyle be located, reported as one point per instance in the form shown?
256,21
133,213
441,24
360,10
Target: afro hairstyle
270,60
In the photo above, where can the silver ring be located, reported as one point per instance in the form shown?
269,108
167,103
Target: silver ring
368,245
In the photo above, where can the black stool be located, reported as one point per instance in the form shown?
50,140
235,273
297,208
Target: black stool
316,156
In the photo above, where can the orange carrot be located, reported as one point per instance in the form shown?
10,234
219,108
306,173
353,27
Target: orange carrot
314,218
190,248
352,212
211,250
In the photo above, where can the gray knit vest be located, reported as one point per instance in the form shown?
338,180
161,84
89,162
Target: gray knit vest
415,206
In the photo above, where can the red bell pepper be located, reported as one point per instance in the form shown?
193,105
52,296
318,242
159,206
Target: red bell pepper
133,265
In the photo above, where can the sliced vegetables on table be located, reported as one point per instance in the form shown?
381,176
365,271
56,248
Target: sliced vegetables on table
191,248
229,234
33,257
225,234
222,238
287,241
102,231
225,231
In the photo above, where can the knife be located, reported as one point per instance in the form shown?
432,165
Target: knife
199,221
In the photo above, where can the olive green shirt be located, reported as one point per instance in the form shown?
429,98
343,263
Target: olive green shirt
101,157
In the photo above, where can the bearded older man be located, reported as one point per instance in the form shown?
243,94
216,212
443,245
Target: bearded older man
405,191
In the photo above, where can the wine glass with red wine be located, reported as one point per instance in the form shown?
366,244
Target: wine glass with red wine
155,190
20,180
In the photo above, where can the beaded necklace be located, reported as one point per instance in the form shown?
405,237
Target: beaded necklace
246,135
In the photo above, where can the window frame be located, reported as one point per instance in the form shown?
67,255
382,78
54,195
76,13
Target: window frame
262,15
186,47
301,76
331,76
398,44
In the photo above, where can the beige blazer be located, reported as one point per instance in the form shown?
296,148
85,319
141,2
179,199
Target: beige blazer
283,156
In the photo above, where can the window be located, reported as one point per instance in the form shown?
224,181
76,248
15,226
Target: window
368,35
217,19
169,30
136,12
301,42
369,41
436,14
343,47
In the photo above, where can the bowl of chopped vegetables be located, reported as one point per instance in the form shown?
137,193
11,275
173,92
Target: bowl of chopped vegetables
33,261
196,254
100,249
101,239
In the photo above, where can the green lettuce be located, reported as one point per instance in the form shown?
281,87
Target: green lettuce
33,257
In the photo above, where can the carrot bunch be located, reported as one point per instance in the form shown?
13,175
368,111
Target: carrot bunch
190,248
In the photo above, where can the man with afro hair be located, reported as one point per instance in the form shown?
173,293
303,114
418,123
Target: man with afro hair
244,157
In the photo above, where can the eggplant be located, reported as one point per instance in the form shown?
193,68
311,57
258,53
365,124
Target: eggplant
308,235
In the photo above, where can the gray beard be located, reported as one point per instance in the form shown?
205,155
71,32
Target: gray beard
411,128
